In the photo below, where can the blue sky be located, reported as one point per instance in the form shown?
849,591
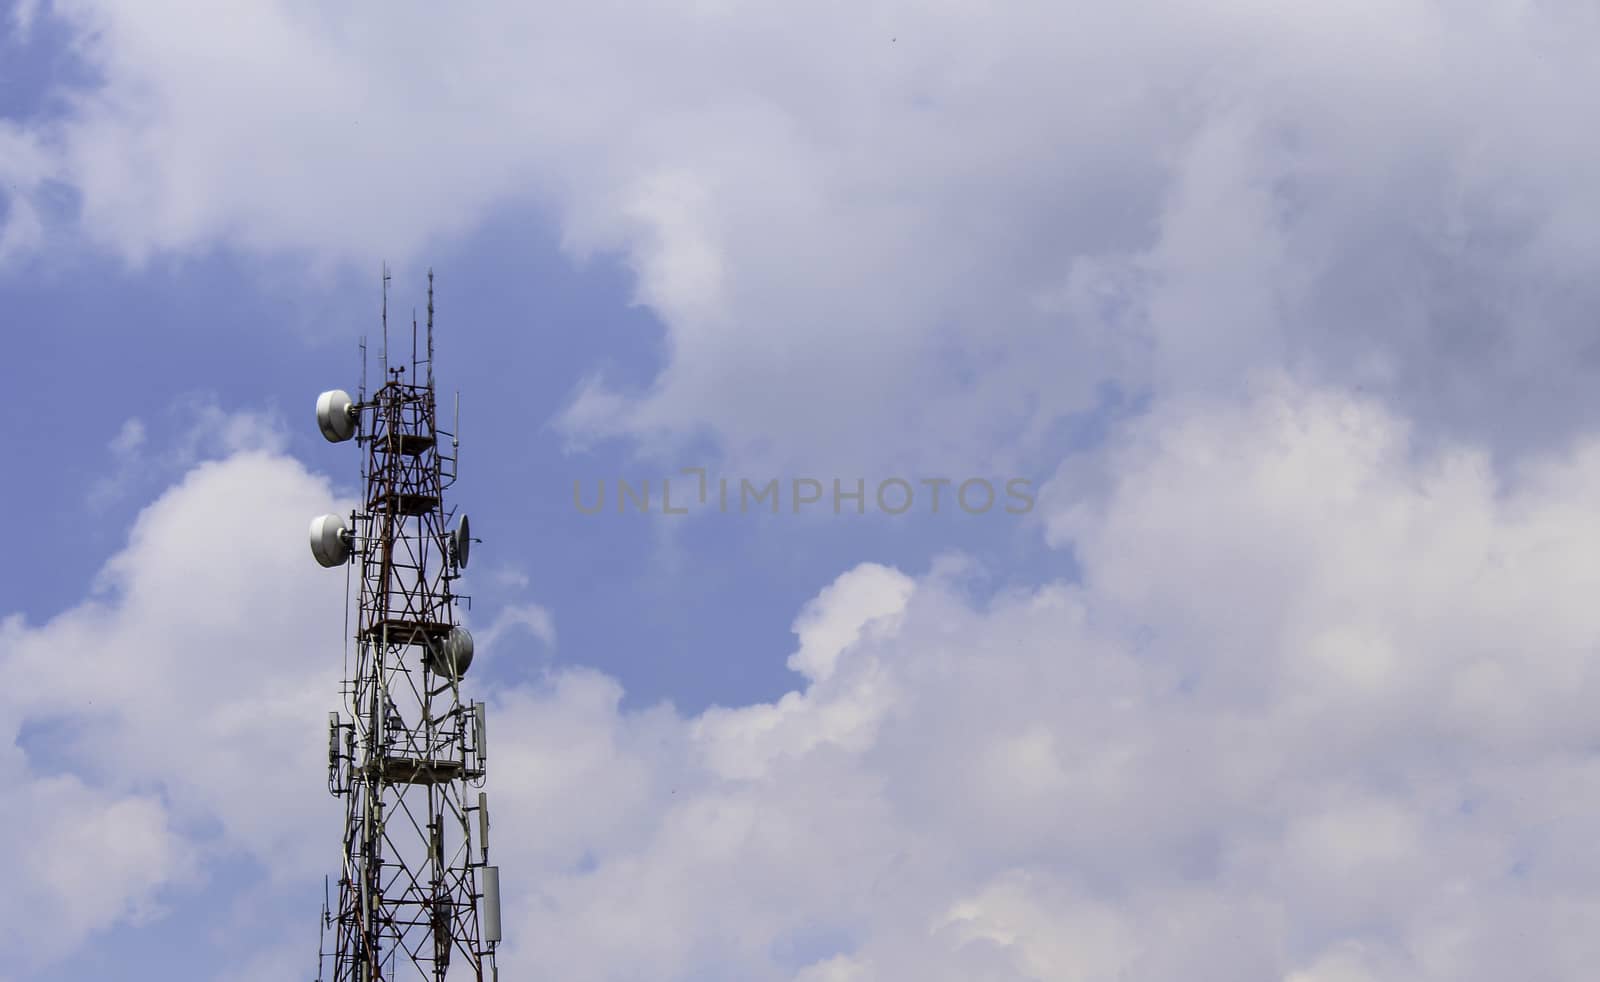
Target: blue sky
518,326
1285,315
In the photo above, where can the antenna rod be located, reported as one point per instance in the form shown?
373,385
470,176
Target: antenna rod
385,359
430,326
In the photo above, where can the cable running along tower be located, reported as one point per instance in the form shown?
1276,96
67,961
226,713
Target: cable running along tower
417,898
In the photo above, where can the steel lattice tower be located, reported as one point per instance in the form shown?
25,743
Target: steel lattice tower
417,897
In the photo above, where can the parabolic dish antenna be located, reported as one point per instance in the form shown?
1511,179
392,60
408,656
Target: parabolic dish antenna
336,415
461,542
452,656
330,540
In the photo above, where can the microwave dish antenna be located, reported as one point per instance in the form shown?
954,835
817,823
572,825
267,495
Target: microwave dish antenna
337,417
330,540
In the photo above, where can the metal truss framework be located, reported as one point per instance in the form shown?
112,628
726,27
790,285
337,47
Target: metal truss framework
406,752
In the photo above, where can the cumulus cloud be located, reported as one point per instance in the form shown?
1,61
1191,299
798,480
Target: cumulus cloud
838,212
78,858
176,707
1318,711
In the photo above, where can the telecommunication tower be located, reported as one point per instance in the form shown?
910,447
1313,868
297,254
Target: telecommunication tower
417,897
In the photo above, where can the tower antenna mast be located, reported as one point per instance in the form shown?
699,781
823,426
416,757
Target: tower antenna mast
406,753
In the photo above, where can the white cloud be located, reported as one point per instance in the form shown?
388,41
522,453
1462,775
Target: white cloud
895,235
77,859
862,605
129,439
1318,711
127,460
203,665
859,600
532,618
22,16
24,167
508,576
